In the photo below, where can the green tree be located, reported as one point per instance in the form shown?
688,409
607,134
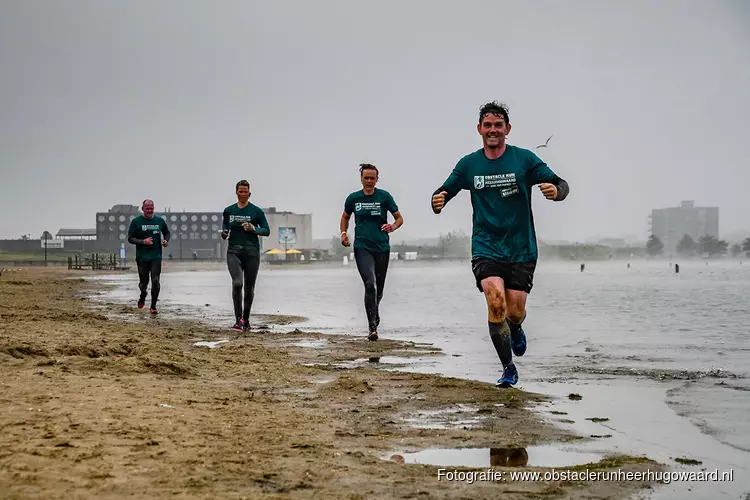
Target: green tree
736,249
686,246
654,246
712,246
722,247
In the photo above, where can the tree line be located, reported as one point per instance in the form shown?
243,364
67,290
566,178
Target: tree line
706,245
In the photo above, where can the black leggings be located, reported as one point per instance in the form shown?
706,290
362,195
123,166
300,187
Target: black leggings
372,267
150,269
244,271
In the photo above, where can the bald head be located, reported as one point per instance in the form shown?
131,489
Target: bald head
148,209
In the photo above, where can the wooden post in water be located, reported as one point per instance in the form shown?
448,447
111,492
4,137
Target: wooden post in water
676,268
583,266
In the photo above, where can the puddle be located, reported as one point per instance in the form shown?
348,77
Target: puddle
533,456
321,380
312,343
210,345
459,416
394,360
421,423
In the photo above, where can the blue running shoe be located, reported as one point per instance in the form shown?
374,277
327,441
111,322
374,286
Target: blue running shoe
510,376
517,339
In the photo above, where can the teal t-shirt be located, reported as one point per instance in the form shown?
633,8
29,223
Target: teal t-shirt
501,198
142,228
241,241
370,213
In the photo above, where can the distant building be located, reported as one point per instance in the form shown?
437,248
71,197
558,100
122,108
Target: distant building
76,234
288,230
76,239
199,231
671,224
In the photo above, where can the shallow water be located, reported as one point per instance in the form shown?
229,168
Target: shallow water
532,456
662,355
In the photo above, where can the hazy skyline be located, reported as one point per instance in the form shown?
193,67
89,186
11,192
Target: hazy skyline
106,102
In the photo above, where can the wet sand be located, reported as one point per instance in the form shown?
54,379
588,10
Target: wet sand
106,401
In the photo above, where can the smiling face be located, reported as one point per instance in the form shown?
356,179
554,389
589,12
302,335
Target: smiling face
493,129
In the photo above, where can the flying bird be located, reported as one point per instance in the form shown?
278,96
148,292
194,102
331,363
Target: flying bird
546,143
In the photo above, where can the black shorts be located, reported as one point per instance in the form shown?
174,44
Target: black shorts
516,275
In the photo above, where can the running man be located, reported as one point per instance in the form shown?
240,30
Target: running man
503,244
145,232
372,249
243,223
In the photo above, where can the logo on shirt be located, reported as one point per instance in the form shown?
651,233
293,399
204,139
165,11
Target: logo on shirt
240,218
506,182
154,228
509,191
373,207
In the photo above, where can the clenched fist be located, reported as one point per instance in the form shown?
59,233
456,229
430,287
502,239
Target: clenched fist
438,201
548,190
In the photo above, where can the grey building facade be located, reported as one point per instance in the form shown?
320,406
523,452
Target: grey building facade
671,224
198,233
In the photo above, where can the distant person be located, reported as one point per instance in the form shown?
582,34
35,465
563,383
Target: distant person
243,223
372,250
503,244
145,233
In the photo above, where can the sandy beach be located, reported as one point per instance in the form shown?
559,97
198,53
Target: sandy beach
106,401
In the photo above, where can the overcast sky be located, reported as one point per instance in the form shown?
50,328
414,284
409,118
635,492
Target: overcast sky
105,102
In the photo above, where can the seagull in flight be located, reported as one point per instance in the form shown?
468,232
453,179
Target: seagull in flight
546,143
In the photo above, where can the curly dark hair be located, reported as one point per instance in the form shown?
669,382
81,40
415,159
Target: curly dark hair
494,108
243,182
368,166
